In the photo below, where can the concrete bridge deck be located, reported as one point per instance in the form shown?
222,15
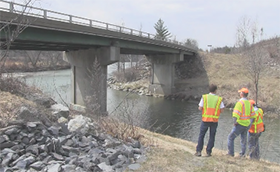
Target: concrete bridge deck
84,41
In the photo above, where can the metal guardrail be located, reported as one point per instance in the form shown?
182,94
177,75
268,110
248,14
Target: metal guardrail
52,15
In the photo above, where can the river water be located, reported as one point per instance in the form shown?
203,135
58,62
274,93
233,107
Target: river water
175,118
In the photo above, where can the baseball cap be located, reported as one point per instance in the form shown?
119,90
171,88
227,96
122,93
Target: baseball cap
244,90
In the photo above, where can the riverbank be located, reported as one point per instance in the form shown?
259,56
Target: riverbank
163,153
226,71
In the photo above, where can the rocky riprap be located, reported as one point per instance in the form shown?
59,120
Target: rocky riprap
76,145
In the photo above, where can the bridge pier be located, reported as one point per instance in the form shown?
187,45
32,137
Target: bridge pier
163,73
89,77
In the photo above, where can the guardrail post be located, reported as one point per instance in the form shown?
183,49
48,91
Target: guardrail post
140,33
90,23
131,31
45,14
120,29
107,26
11,7
148,35
70,18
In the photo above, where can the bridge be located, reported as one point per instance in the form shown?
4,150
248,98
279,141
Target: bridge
85,41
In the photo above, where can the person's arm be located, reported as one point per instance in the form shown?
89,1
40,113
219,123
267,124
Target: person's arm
200,105
222,107
234,121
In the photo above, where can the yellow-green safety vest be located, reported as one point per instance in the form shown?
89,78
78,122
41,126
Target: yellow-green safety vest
243,111
211,108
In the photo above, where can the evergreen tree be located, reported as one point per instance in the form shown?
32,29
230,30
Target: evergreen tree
192,43
162,32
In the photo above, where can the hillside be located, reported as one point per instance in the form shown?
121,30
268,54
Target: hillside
229,73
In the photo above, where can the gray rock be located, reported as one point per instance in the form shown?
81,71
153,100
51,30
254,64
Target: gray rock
60,110
7,150
7,159
8,144
54,168
4,138
57,157
25,113
46,148
134,166
53,130
39,165
79,124
45,101
69,167
106,168
13,130
31,124
34,149
25,140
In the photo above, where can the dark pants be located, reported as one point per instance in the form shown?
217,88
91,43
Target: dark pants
203,129
236,131
253,144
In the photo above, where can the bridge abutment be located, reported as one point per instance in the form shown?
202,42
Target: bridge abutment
163,73
89,77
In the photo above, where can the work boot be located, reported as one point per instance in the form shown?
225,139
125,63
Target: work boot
241,156
197,153
229,155
208,154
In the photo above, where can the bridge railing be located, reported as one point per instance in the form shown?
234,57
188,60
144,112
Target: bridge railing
52,15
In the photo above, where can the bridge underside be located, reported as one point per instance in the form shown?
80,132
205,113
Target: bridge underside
55,40
84,46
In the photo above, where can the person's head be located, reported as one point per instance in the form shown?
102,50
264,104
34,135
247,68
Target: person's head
243,92
212,88
252,102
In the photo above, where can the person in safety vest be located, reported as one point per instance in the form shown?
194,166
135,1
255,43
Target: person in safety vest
255,132
243,116
211,106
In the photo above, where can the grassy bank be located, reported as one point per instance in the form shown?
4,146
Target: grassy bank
170,154
164,153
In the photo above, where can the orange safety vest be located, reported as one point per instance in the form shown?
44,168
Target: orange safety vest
243,111
257,126
211,108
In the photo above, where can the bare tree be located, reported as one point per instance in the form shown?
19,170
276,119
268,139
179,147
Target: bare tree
249,40
11,31
33,57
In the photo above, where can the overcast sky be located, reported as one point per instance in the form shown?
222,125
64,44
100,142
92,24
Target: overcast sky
207,21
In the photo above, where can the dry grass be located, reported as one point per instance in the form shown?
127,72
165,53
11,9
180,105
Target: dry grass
170,154
230,74
9,106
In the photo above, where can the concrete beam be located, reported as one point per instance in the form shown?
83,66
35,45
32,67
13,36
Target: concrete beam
162,73
89,76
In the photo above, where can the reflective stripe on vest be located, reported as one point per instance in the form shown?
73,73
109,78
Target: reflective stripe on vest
243,111
257,125
211,108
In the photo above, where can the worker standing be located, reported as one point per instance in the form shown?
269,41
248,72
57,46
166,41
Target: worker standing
255,132
211,106
243,115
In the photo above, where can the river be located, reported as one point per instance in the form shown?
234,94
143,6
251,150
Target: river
175,118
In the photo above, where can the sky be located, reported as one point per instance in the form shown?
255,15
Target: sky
209,22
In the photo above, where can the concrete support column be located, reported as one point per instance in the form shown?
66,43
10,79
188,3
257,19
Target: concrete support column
89,77
163,72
